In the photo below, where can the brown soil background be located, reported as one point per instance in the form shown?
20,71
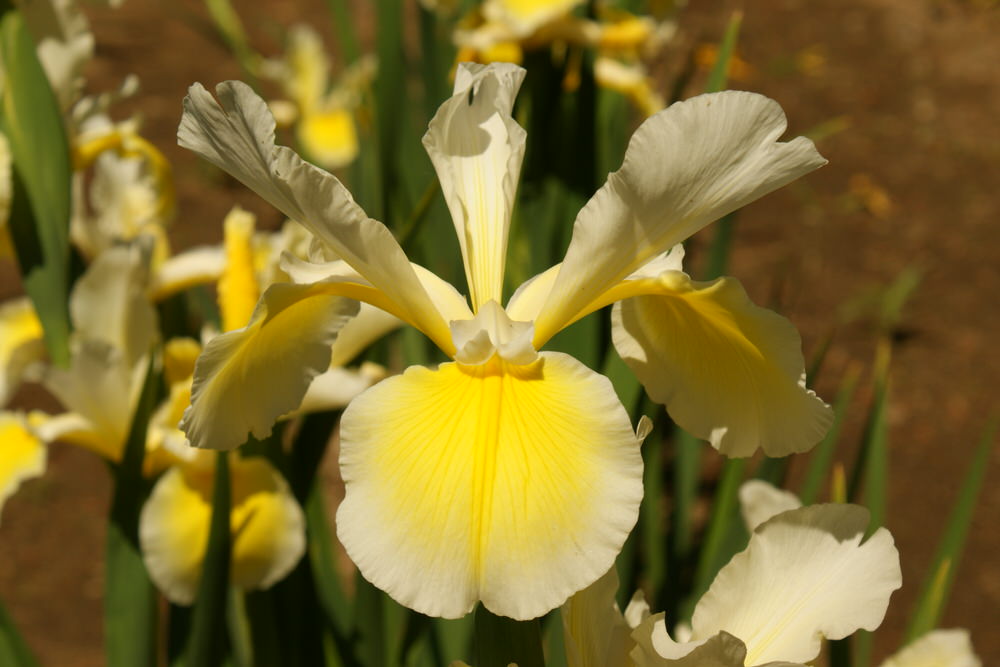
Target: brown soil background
918,84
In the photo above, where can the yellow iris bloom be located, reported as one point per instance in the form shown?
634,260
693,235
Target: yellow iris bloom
510,475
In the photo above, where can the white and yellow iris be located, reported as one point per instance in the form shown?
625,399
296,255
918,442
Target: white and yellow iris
510,475
805,575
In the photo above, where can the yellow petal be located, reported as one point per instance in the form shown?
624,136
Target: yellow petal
20,344
238,288
727,370
526,16
514,485
329,137
246,379
267,524
22,454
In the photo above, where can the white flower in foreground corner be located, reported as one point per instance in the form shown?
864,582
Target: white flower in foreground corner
806,574
937,648
511,476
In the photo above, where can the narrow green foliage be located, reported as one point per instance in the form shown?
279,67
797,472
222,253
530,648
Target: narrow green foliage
238,623
207,642
937,585
390,97
230,28
455,638
13,650
343,24
129,595
719,75
725,534
500,641
822,456
652,515
687,473
41,174
369,623
870,466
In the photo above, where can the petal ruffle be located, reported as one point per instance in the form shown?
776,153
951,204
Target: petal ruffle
477,148
268,528
684,167
238,137
727,370
806,574
514,485
246,379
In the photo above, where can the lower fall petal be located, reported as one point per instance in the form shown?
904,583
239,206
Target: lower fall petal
728,371
22,454
513,485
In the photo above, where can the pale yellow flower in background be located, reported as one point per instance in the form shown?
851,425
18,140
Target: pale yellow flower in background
937,648
321,112
22,454
806,574
510,475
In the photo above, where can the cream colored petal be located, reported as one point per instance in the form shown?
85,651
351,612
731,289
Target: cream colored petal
238,137
21,344
477,148
760,500
937,648
22,454
109,302
727,370
684,167
595,633
337,387
513,485
368,326
722,650
523,17
246,379
198,266
65,44
805,575
268,528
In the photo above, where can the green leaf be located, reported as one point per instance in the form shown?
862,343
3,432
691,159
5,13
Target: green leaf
822,457
230,28
937,585
719,75
129,596
207,642
500,641
41,173
14,651
686,477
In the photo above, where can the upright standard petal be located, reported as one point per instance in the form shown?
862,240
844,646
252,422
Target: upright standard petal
477,148
595,632
806,574
684,167
246,379
238,137
22,454
760,500
514,485
727,370
267,524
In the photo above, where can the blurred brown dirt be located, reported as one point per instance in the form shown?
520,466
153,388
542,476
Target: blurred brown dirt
912,182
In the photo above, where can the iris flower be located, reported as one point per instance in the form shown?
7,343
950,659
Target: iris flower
510,475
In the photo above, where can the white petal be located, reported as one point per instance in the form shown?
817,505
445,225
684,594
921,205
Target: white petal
805,575
937,648
198,266
760,500
477,148
238,137
684,167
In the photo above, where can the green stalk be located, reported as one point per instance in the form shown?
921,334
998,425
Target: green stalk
500,641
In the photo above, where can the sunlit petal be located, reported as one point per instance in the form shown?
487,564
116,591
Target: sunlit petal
238,137
246,379
686,166
368,326
21,344
477,148
524,17
514,485
805,575
760,500
198,266
268,528
238,289
337,387
727,370
937,648
594,630
22,454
